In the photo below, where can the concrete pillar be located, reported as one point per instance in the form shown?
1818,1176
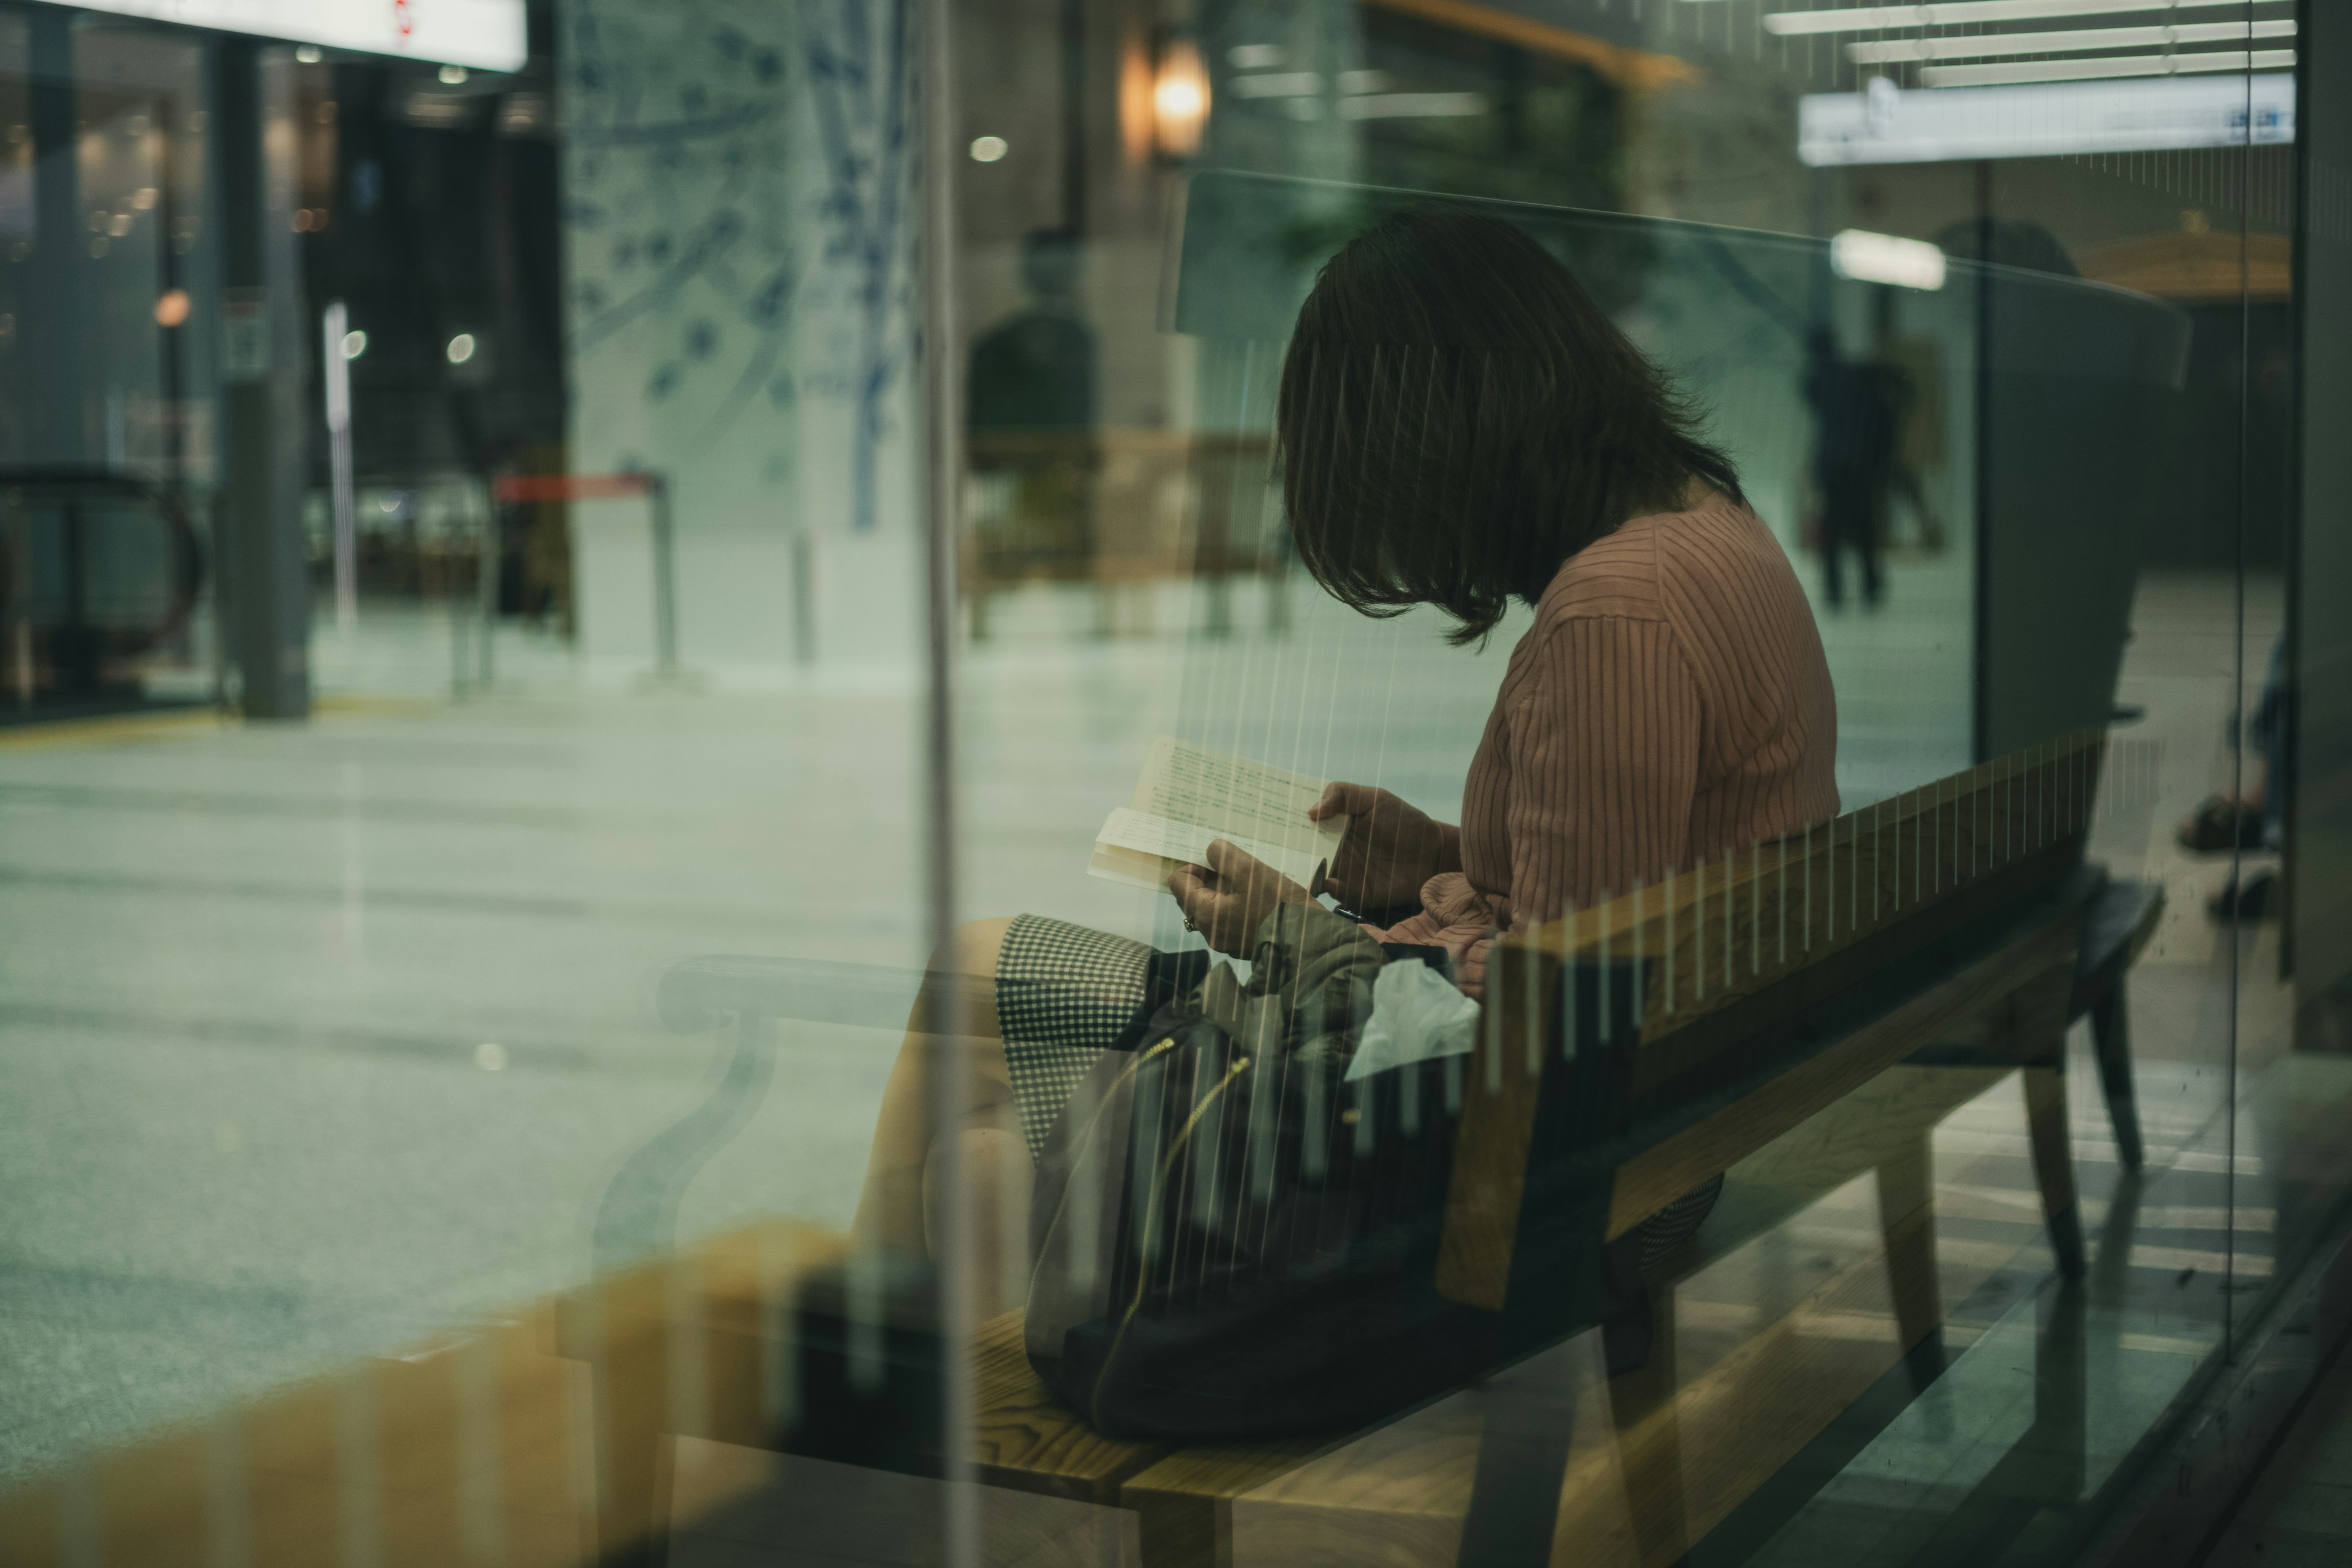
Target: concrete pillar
264,575
55,332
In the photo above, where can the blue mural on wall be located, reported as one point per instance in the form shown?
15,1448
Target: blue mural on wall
859,64
677,148
739,223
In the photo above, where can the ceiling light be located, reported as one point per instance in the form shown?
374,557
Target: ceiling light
1413,106
460,349
989,149
2150,114
1977,46
439,109
1277,84
1869,258
1877,18
2112,66
453,75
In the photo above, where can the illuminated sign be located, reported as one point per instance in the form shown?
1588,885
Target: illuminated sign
1884,124
486,33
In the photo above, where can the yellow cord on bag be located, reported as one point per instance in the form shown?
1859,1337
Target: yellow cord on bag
1079,1155
1150,1214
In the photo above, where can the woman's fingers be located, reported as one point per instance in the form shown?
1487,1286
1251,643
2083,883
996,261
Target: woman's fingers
1227,860
1190,885
1206,899
1343,800
1253,884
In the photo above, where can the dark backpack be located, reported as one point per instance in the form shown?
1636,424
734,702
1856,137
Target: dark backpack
1231,1240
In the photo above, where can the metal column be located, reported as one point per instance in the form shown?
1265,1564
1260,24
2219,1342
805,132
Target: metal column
264,418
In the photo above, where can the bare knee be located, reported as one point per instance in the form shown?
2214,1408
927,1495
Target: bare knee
977,944
988,1204
962,987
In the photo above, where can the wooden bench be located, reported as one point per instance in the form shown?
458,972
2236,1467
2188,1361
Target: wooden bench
1942,931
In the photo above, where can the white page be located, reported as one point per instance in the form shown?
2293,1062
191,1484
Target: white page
1237,798
1190,796
1184,843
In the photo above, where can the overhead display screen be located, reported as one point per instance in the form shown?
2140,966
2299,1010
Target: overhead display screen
484,34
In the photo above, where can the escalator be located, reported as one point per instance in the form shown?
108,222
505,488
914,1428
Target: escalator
99,577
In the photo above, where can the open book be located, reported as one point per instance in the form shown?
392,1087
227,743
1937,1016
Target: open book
1188,795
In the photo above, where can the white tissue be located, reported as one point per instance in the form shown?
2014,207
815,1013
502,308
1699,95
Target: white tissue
1417,1014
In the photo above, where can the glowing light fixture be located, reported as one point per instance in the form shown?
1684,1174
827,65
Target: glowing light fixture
1413,106
1180,98
172,307
1868,257
1977,46
2106,67
2044,120
1277,84
453,75
461,348
1950,12
989,149
310,54
354,343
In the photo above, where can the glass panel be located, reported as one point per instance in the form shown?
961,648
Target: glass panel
1327,779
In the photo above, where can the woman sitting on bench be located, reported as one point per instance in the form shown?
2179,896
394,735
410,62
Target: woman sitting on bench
1459,426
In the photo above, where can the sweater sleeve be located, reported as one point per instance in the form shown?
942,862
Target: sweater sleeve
1602,761
1604,765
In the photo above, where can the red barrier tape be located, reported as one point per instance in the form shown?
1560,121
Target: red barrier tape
572,487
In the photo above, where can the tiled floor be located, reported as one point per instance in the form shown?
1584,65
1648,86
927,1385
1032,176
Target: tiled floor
2299,1514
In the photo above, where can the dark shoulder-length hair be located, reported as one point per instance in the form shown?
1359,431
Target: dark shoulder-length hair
1458,418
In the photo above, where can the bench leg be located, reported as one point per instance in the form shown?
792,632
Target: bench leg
2046,1468
2047,1128
1906,1220
1523,1445
2111,1039
633,1465
1649,1441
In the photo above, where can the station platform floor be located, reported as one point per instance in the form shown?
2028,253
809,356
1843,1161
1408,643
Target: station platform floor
315,1040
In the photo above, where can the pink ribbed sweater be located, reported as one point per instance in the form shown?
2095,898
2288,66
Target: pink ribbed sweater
1670,702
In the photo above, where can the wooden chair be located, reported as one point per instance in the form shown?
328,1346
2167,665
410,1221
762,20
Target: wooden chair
1631,1052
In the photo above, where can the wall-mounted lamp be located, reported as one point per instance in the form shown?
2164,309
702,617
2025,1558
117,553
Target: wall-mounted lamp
1179,98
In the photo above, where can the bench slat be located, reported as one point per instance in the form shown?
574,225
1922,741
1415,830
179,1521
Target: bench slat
1663,1173
1028,1439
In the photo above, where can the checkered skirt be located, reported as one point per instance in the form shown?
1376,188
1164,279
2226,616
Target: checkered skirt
1062,994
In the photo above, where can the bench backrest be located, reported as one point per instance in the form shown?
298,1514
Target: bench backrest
1610,1028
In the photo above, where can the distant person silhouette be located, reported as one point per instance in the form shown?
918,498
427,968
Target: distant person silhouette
1030,405
1034,370
1861,406
1858,405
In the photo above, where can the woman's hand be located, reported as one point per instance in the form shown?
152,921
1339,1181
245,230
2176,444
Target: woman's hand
1229,898
1388,850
